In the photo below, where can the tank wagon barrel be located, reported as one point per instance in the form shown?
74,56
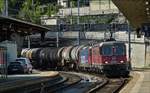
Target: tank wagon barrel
73,53
64,57
59,53
23,52
42,57
77,52
66,53
35,54
52,57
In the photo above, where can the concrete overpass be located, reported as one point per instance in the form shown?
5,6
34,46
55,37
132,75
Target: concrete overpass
136,11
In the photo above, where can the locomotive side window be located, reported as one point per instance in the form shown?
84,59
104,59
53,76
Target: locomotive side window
106,50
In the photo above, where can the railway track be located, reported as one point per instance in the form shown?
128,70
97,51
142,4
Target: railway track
86,83
94,84
72,79
71,82
110,86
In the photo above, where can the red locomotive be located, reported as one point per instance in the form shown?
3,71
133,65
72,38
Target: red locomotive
107,57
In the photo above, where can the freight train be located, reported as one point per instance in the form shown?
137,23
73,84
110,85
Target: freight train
108,58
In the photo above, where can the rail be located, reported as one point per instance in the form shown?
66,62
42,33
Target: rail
111,86
72,80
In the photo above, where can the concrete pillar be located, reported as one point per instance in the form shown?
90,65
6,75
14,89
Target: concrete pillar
19,41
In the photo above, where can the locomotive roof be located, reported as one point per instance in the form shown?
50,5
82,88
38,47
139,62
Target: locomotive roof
111,42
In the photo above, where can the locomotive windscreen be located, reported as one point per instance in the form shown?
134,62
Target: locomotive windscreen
118,49
106,50
115,49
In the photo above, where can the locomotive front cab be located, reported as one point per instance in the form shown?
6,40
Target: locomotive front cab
114,61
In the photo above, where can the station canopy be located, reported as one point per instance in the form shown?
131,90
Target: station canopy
136,11
10,25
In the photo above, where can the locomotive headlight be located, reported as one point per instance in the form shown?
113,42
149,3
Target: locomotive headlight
121,61
106,62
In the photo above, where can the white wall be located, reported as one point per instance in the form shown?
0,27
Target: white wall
137,55
101,5
11,50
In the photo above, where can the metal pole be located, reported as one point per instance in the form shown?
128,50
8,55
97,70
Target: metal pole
109,4
71,14
28,41
129,45
99,1
57,36
57,41
145,54
33,5
6,64
6,8
78,22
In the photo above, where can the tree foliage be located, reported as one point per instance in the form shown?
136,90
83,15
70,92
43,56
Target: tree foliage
52,9
82,3
13,6
1,5
30,11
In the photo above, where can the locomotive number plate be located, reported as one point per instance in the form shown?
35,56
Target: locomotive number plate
113,62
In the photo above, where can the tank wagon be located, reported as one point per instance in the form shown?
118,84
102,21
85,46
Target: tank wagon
105,57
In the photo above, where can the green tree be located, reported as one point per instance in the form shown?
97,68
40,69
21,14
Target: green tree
52,9
1,6
13,6
30,11
13,2
82,3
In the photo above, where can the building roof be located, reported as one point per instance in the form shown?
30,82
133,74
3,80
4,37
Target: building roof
12,24
136,11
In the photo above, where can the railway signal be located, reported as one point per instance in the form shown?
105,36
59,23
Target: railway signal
87,27
62,27
146,29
